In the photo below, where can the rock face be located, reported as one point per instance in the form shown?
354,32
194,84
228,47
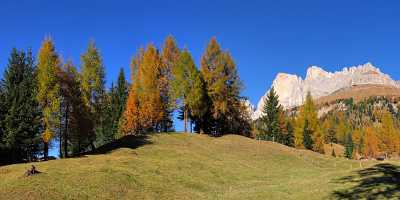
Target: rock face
292,89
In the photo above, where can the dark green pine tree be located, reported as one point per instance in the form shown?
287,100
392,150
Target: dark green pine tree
348,152
270,119
3,152
118,96
307,140
22,122
289,137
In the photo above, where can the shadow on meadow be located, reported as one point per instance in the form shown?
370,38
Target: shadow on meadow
381,181
129,141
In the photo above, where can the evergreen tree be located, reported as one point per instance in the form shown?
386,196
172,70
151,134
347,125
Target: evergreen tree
307,136
271,114
3,110
21,124
289,138
48,94
118,96
331,135
348,153
93,90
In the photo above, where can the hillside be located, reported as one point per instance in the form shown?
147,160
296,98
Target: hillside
361,92
185,166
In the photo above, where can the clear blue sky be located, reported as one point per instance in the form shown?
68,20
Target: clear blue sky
264,37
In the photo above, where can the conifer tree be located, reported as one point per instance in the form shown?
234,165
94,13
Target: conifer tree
151,105
48,89
130,121
307,113
271,114
144,109
307,135
169,58
331,135
118,98
348,153
223,88
93,90
371,142
77,126
387,134
3,110
187,88
289,137
21,123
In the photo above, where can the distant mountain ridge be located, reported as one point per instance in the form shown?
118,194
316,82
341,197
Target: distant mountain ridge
292,89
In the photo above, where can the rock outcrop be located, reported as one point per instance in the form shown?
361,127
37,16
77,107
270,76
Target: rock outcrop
292,89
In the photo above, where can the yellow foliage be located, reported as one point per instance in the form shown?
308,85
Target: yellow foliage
47,135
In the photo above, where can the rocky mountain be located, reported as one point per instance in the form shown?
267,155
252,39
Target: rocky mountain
292,89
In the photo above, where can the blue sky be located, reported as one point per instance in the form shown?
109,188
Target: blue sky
264,37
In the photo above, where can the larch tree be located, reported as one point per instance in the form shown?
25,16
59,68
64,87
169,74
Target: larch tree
130,120
77,126
387,134
169,57
48,94
151,105
307,113
187,88
223,88
371,142
21,125
93,89
144,109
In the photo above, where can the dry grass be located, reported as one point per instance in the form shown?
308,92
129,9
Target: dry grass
184,166
361,92
339,149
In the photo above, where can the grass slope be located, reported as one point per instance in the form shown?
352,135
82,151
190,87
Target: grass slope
185,166
361,92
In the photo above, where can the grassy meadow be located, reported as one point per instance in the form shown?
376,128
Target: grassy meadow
191,166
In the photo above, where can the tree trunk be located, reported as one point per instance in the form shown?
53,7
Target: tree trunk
66,132
46,151
191,126
185,119
60,133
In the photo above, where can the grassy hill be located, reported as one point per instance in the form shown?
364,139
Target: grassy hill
186,166
361,92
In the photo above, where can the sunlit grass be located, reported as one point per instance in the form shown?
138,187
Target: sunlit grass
184,166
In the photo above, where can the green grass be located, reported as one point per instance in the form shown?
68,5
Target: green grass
185,166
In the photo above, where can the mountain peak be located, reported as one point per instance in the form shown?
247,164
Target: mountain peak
292,89
316,72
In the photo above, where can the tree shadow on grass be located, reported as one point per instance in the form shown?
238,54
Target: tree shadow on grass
381,181
129,141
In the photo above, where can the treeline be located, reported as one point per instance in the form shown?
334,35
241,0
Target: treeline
44,98
367,129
